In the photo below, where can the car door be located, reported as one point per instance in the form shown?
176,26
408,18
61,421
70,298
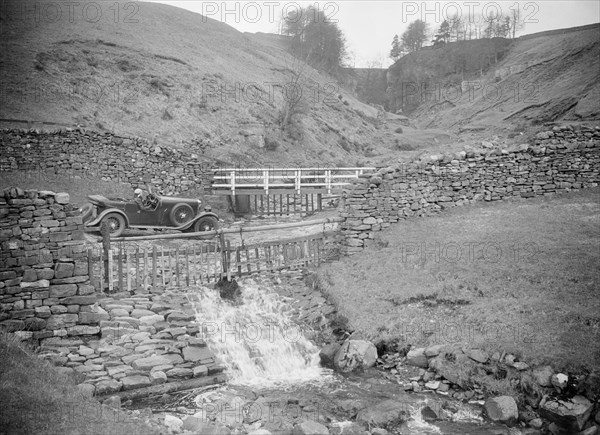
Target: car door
139,216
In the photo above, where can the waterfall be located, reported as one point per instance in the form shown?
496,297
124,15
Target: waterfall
256,338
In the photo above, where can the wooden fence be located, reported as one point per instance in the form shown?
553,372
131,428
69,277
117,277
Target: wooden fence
266,181
129,266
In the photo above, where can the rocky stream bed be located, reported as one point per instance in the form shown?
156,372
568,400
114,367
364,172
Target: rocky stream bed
156,358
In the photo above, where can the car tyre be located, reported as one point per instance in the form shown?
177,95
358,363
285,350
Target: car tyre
116,224
181,214
207,223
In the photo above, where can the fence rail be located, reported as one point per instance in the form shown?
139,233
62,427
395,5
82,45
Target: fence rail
263,181
128,266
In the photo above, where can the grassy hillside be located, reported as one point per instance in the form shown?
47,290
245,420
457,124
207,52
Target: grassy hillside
548,77
157,71
520,276
36,398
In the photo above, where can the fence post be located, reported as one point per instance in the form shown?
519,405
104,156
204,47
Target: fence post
154,255
224,265
121,267
106,248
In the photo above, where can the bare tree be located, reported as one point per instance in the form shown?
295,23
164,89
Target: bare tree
515,21
315,39
299,86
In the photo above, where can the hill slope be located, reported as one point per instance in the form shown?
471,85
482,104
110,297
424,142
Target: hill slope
173,76
544,77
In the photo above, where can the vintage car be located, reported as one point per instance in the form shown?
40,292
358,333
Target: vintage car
154,212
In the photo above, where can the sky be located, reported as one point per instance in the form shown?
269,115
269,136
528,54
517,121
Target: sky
369,26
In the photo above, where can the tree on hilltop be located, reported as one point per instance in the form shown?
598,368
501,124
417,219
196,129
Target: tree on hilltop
414,37
315,39
396,51
443,34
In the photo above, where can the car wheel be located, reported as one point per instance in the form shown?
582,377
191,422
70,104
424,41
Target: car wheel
86,212
116,224
181,214
207,223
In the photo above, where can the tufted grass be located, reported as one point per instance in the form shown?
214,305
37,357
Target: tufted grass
37,399
527,281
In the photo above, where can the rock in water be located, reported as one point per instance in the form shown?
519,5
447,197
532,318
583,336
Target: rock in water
355,354
389,413
173,423
328,353
570,414
503,409
310,427
229,290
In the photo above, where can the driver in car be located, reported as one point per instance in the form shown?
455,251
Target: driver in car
140,198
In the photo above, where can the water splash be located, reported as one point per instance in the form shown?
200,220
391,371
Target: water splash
417,425
464,421
256,340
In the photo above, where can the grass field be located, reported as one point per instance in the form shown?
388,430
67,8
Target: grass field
521,276
36,399
78,188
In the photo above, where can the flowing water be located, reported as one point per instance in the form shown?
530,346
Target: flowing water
256,338
267,355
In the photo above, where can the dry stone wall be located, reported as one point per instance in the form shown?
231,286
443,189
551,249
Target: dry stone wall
87,154
561,160
44,283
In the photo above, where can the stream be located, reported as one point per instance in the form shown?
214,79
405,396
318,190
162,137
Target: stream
275,380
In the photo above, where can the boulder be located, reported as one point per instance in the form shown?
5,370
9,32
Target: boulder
435,350
355,354
327,354
559,380
138,313
108,386
543,375
151,320
260,431
457,372
197,354
416,357
199,425
347,428
569,414
62,198
590,386
389,413
158,377
174,424
135,381
478,355
502,409
148,363
309,427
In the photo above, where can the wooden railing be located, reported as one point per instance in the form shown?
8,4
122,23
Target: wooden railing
131,265
266,181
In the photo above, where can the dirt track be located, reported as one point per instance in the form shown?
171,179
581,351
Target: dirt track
246,237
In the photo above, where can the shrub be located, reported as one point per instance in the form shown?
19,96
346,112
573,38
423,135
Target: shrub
271,144
399,130
403,146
